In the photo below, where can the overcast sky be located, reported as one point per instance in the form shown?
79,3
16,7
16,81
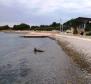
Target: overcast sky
36,12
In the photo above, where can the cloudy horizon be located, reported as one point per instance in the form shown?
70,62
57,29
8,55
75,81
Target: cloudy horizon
36,12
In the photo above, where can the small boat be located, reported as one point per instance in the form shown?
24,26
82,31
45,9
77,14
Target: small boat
38,50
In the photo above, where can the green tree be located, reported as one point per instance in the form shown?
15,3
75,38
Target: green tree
88,27
56,26
22,26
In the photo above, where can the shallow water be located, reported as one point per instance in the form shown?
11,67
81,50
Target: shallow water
20,65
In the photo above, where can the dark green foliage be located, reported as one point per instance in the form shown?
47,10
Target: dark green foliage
53,26
34,28
88,27
6,27
71,23
74,23
88,34
22,26
68,24
43,26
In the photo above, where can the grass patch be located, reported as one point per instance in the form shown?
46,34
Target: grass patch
78,57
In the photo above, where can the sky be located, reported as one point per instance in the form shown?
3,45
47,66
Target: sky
37,12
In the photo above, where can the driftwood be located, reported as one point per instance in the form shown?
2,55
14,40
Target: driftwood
37,50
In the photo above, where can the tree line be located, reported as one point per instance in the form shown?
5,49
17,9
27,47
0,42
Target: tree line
23,26
53,26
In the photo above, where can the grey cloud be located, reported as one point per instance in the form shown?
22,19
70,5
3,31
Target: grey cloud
42,12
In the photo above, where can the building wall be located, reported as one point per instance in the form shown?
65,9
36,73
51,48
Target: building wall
77,30
80,30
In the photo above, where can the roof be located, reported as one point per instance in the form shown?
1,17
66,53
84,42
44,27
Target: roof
83,19
79,19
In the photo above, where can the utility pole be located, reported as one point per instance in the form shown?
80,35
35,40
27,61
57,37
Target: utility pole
60,25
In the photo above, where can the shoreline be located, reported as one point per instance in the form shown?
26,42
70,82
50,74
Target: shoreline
78,57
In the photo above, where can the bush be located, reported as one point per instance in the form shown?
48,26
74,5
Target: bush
21,27
88,34
88,27
53,26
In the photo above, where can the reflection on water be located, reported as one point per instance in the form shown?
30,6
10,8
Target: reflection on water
20,65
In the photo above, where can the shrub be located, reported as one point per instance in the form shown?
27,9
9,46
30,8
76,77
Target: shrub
22,26
88,34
